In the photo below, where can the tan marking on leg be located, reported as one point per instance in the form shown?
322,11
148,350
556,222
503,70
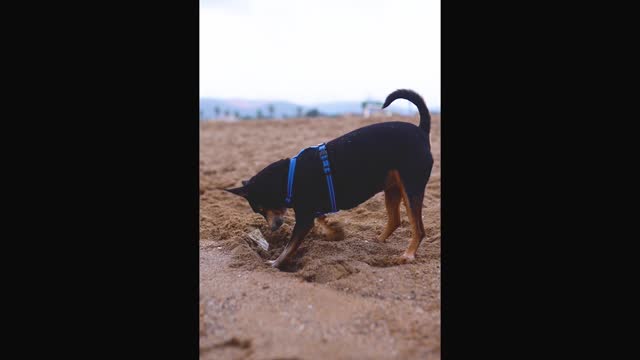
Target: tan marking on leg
415,218
417,232
392,199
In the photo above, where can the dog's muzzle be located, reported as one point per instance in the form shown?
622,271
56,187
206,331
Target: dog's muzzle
275,225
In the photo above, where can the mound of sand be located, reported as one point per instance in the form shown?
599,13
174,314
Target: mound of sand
341,296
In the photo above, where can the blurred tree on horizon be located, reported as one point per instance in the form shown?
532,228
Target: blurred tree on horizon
313,113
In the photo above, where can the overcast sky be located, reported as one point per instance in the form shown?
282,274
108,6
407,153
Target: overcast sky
310,51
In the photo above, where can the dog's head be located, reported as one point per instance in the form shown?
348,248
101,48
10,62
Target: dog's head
263,203
266,192
272,213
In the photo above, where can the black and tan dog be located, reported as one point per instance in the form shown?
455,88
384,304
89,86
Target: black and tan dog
394,157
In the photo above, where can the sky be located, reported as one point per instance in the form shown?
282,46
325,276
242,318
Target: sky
312,51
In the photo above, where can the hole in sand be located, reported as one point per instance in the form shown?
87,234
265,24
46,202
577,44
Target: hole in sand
384,260
325,271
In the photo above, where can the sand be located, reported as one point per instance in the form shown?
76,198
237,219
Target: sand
340,297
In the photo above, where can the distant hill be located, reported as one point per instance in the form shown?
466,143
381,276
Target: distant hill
246,107
249,108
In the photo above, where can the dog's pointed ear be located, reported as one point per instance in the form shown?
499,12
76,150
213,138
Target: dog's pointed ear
240,191
244,182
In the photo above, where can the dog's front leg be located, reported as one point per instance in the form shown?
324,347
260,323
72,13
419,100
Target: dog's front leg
300,230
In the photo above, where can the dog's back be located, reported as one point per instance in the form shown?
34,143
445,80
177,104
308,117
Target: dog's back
362,159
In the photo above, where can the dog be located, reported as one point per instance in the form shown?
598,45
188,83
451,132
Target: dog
394,157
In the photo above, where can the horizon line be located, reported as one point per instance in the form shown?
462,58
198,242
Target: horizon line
291,101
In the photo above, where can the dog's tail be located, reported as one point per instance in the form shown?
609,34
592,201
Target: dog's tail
413,97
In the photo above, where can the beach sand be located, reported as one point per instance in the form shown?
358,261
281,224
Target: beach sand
338,298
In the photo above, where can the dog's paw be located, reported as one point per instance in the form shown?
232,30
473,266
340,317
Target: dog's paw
272,263
406,258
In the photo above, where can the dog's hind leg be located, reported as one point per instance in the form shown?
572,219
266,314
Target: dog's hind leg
413,196
413,203
392,198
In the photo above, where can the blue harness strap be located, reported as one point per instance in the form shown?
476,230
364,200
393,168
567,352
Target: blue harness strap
326,167
324,156
292,171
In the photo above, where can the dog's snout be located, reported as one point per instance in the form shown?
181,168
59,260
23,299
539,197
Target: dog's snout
276,224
